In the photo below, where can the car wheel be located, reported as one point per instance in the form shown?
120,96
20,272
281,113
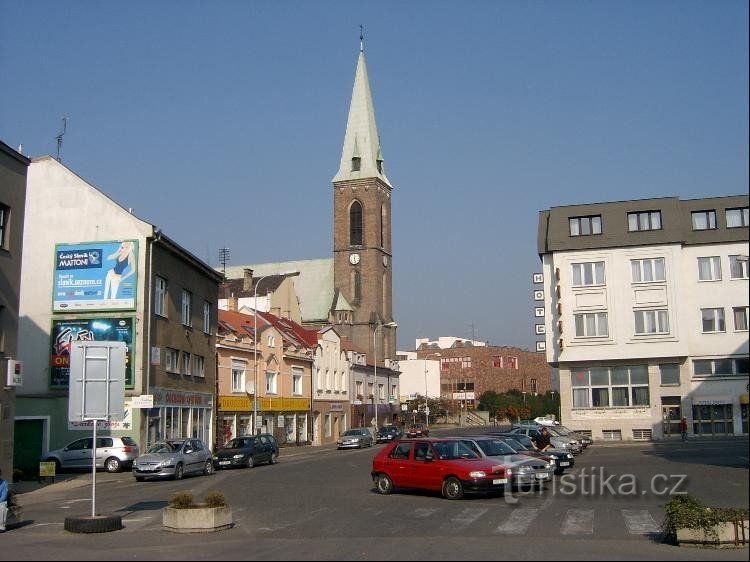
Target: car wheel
139,478
250,463
208,469
453,489
178,471
384,484
112,464
274,458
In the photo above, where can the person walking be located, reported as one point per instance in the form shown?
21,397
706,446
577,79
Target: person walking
683,428
543,441
3,502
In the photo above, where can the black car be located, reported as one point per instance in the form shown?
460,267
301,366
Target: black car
247,451
388,433
562,459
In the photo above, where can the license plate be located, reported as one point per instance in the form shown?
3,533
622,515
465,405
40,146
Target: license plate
564,463
224,462
500,481
542,476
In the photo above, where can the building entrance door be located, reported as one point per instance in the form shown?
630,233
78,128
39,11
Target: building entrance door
671,413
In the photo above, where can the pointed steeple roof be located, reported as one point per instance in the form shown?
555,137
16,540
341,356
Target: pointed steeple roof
361,142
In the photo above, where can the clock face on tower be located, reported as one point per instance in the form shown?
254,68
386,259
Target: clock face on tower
354,259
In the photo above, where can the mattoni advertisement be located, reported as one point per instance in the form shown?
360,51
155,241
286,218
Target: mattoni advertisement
65,332
95,276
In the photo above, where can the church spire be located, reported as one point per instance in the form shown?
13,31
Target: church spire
361,156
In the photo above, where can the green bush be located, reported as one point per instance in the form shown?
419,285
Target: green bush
215,499
182,500
687,512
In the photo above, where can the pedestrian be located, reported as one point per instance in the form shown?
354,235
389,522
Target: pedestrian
683,428
3,502
543,441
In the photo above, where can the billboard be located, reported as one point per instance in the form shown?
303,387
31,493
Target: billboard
65,332
95,276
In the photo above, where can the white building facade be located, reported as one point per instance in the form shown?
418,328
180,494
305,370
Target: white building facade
646,315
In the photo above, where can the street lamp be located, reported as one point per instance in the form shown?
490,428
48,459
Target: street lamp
375,353
426,406
255,337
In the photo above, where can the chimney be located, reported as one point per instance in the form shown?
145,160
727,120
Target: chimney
247,280
232,303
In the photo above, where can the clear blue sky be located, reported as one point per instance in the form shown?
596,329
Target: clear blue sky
222,123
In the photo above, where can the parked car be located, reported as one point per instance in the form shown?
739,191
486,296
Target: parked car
174,458
546,421
526,471
418,430
388,433
567,434
112,454
585,441
557,442
440,465
247,451
523,444
355,438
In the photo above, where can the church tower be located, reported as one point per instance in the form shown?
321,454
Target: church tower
362,251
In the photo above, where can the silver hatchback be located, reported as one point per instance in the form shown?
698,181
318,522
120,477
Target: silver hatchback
112,454
174,458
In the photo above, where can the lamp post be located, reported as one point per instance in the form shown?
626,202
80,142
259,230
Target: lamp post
255,337
375,353
426,406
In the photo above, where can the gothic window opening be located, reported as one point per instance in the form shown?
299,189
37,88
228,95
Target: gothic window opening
355,224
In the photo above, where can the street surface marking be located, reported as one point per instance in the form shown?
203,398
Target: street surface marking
518,522
423,512
464,519
578,522
639,522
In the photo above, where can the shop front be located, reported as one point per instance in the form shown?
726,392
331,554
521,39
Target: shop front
178,414
287,419
713,416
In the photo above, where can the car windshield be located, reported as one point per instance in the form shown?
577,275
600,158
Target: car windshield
495,447
354,432
239,443
517,445
163,447
449,450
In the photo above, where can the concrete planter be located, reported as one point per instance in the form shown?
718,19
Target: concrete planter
728,533
200,519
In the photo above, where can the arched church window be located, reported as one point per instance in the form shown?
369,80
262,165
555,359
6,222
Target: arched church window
355,224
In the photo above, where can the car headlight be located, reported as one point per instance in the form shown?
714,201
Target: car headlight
569,456
237,456
477,474
548,465
215,458
525,470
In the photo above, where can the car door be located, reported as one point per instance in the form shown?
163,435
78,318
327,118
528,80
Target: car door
397,464
77,454
104,449
262,449
426,469
194,455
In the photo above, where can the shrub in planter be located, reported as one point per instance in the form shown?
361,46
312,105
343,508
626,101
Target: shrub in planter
182,500
686,512
215,499
184,515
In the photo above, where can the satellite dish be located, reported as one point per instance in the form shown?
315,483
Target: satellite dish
250,387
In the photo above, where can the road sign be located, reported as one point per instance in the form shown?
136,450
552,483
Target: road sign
97,381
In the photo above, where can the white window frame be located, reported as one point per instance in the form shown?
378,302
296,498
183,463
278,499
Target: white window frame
651,322
644,220
185,362
591,324
740,315
703,220
198,366
359,390
160,296
187,308
171,360
272,382
297,374
207,318
586,274
239,372
716,318
709,268
582,394
669,369
713,363
648,270
271,340
738,267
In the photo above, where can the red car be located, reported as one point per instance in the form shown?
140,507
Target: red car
447,466
418,430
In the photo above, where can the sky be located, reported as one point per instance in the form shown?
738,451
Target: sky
222,123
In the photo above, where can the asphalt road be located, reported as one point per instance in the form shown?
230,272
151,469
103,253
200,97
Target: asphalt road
319,504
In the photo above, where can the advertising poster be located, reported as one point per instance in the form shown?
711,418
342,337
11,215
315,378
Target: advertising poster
65,332
95,276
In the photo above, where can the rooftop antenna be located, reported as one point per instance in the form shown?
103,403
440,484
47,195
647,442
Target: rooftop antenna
224,259
60,136
361,37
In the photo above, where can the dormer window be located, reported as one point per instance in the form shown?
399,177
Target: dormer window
356,164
